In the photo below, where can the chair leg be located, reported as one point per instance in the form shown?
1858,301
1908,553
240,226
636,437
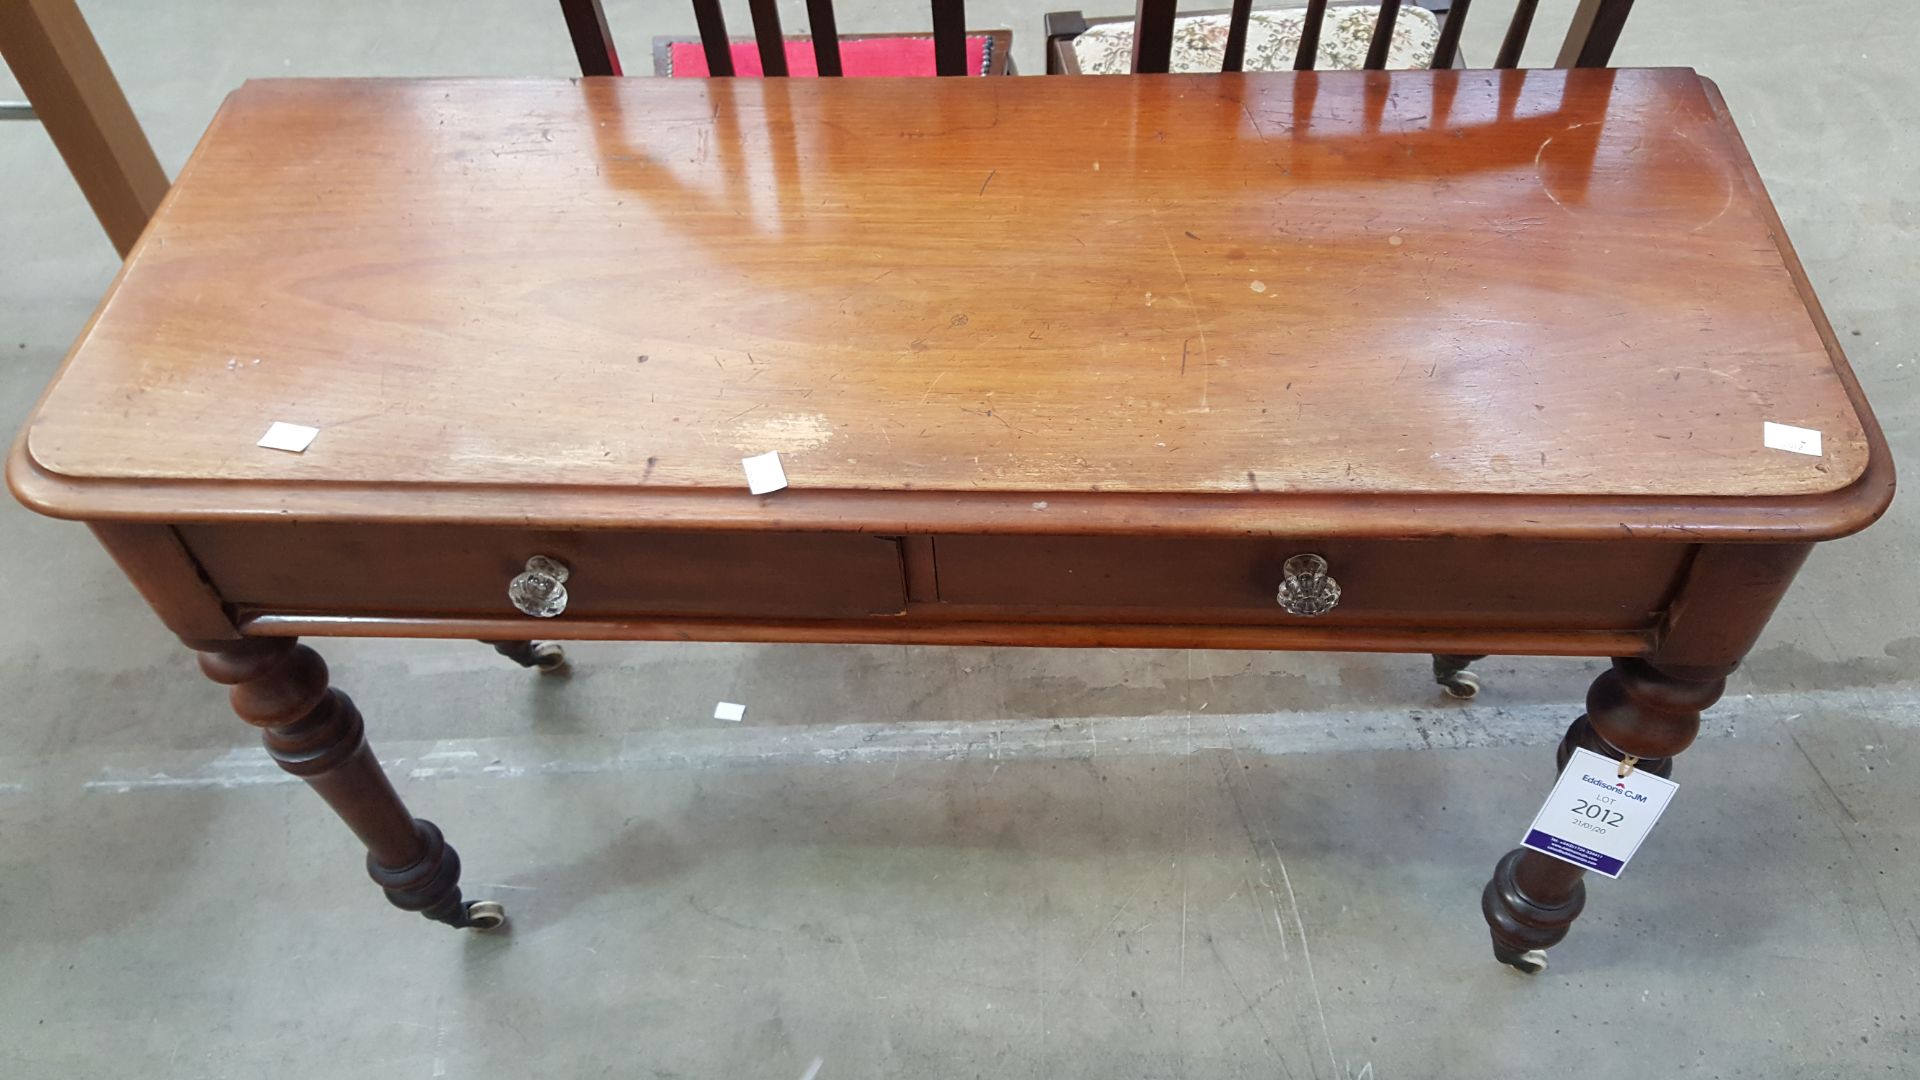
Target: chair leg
1450,671
548,656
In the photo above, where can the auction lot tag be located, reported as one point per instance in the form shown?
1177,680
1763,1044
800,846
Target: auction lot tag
1596,818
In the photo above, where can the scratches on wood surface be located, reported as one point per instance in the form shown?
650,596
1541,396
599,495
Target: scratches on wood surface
852,248
1199,327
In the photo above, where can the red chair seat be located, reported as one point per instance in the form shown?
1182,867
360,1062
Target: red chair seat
866,56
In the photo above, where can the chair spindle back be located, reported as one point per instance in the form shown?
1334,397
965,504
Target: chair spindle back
1590,39
593,43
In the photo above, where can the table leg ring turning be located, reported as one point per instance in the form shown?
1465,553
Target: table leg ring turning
431,885
314,732
1634,709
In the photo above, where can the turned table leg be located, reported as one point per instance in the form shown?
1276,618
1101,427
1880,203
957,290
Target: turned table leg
314,732
1636,709
548,656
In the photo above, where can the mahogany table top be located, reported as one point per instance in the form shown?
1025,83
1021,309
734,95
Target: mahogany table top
1210,291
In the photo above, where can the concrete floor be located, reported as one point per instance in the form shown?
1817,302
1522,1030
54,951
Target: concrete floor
967,862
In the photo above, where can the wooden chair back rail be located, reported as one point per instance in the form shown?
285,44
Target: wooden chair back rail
1590,39
949,37
593,43
1310,36
713,35
826,36
1516,39
1591,36
767,36
1448,47
1153,36
1237,36
1382,36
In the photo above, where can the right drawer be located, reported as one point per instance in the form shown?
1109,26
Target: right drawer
1411,583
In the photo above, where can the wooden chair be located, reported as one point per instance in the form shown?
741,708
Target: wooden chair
949,50
1589,42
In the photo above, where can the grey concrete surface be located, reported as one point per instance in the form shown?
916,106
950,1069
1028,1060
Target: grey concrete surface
966,862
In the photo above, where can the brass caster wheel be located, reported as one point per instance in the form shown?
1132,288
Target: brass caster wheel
1531,962
1461,685
550,658
486,915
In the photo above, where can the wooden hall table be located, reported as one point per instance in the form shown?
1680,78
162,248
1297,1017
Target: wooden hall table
1080,362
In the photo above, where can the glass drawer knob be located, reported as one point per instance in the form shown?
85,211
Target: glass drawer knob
541,589
1305,588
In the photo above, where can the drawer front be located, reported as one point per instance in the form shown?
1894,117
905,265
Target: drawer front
434,570
1410,583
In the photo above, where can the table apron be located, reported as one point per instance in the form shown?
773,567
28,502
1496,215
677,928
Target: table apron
1463,596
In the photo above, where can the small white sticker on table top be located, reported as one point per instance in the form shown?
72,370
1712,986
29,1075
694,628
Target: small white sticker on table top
1797,440
292,438
729,710
764,473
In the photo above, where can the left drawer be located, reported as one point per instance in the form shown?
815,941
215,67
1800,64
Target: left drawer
447,571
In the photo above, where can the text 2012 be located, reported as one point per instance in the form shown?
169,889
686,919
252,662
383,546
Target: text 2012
1598,814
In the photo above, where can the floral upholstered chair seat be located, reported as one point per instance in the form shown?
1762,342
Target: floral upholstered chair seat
1200,41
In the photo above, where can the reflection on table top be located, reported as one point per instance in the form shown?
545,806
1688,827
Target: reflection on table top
1537,283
